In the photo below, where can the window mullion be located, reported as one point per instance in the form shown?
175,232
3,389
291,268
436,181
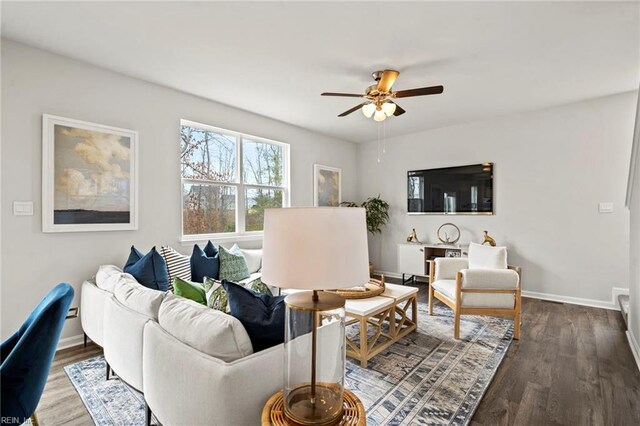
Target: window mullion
240,197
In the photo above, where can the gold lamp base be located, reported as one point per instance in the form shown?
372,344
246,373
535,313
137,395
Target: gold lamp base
321,411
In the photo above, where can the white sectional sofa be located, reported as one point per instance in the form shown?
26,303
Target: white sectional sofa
195,365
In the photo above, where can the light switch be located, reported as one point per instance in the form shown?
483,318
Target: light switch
605,207
23,208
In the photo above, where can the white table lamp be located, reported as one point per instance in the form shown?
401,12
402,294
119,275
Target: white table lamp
314,248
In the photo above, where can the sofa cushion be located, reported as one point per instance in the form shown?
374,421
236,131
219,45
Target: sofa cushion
149,269
233,266
204,263
108,277
216,295
253,259
189,290
207,330
139,298
262,315
487,257
178,265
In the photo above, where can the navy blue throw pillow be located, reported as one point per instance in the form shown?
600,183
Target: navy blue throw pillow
260,314
149,269
205,263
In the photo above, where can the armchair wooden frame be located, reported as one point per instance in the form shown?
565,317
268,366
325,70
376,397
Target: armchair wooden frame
458,309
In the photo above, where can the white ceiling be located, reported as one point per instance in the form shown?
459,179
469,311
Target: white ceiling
275,59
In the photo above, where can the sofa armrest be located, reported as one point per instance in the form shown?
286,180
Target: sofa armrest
506,279
446,268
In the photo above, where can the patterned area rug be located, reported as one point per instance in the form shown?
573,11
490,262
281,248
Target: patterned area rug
427,378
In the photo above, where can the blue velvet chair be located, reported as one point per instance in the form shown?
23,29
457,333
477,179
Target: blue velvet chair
26,356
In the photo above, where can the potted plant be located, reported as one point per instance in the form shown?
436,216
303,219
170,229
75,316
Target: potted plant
377,213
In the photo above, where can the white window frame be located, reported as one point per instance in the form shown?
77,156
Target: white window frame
241,234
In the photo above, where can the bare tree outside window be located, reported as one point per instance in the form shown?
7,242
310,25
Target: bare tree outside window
213,188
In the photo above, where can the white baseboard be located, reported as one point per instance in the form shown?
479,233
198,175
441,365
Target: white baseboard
69,342
635,348
397,275
603,304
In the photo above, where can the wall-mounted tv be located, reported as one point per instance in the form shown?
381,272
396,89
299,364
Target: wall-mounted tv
451,190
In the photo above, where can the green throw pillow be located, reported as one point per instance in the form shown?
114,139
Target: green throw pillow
233,267
216,295
259,287
189,290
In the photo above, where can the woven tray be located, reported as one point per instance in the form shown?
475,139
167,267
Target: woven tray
374,288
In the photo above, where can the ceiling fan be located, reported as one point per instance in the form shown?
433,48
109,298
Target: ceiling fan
379,103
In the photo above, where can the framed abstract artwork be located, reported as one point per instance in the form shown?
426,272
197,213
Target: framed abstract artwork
89,176
327,186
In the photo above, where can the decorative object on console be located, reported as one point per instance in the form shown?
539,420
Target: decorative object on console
260,314
333,254
189,290
89,176
413,237
488,240
379,103
327,186
178,265
149,269
205,263
448,233
233,266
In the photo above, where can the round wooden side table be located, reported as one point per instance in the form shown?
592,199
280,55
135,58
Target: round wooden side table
354,414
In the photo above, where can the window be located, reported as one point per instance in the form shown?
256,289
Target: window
228,179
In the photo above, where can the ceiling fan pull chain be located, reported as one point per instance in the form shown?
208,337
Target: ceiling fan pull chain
384,137
378,142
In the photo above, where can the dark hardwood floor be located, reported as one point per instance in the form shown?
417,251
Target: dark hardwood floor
572,366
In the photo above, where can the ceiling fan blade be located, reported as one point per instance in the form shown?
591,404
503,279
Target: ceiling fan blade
348,95
399,110
349,111
387,80
433,90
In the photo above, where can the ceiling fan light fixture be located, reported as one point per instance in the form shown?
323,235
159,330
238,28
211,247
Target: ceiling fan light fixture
379,115
368,110
389,108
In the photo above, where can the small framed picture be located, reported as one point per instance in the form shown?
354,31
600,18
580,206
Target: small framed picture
327,186
89,176
452,253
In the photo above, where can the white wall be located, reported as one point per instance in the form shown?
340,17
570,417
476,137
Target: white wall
634,249
35,82
552,168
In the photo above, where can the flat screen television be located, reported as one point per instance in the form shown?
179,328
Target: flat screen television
451,190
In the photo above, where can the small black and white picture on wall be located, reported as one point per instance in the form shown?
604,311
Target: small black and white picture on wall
89,176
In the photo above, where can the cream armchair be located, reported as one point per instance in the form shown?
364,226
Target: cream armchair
475,291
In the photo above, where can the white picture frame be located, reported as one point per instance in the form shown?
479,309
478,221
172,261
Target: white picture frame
327,186
89,176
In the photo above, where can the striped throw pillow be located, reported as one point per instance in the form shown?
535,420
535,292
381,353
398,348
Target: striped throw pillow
178,265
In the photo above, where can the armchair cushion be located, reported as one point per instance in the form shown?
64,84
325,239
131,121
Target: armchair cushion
487,257
474,300
448,267
489,278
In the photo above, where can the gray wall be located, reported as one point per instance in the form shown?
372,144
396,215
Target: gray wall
35,82
552,168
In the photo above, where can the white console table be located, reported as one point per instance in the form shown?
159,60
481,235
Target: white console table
413,258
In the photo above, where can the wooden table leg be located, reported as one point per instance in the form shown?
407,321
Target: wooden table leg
364,345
